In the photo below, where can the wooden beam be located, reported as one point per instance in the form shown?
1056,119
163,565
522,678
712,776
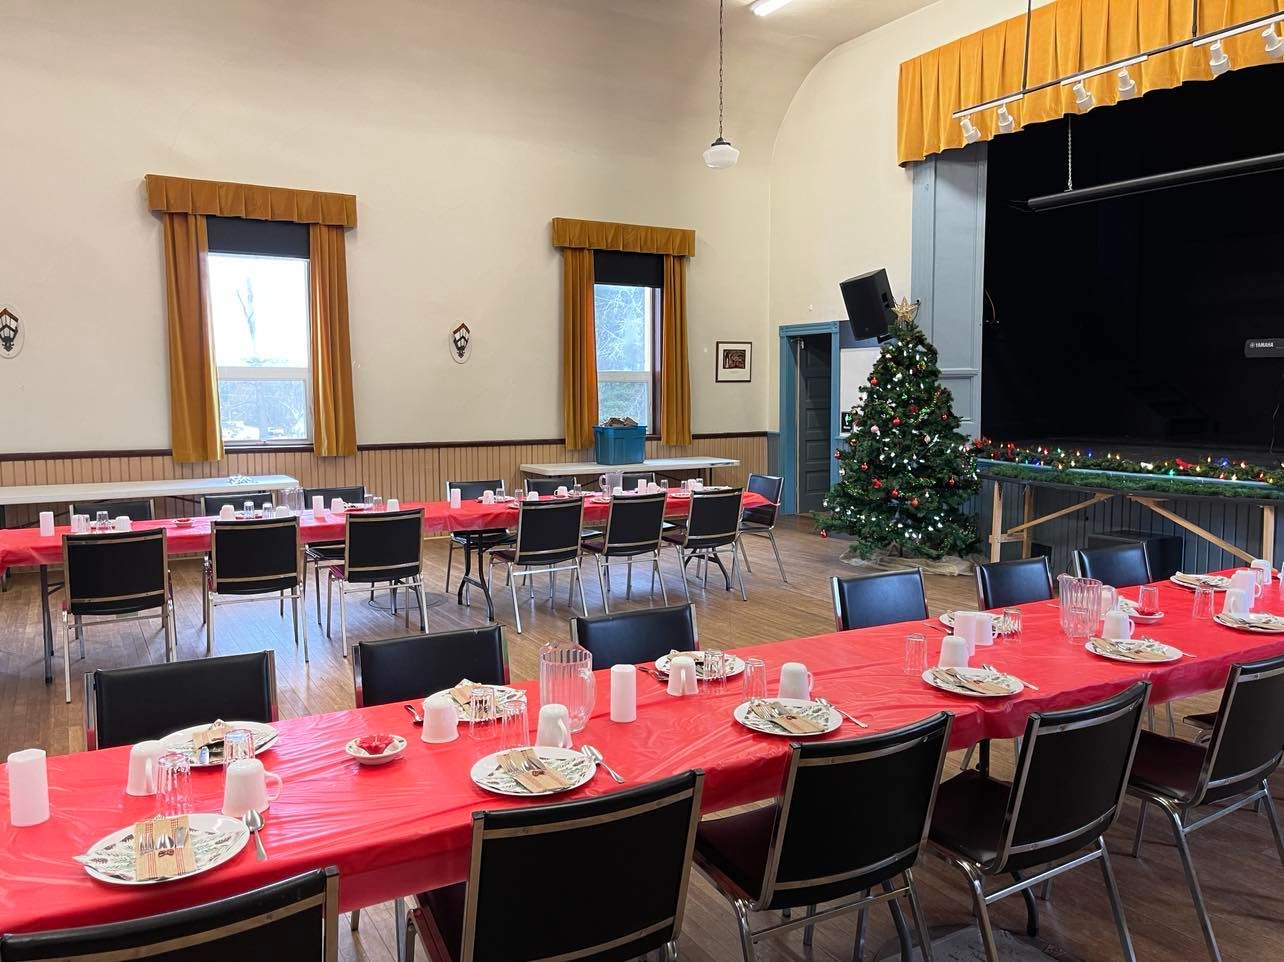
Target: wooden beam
996,522
1268,533
1154,505
1026,525
1027,512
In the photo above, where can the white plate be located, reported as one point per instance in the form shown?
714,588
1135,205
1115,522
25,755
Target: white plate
1272,627
1216,582
734,666
578,769
181,741
1002,626
1171,653
1014,685
820,714
392,753
204,822
1130,607
503,695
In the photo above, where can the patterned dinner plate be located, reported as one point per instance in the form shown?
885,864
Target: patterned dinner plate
503,695
1260,622
215,839
570,764
1002,626
820,714
1133,650
181,741
1216,582
944,679
734,666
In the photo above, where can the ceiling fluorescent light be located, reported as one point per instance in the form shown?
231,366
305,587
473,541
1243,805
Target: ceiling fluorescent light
764,8
1127,86
1274,43
1244,27
970,132
1083,99
1218,62
1006,123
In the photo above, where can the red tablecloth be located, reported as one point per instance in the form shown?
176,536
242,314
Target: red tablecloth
405,827
25,546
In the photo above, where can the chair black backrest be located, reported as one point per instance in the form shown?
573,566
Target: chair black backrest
352,494
632,637
629,479
1245,745
651,829
886,598
770,487
635,524
548,532
1070,779
1121,565
252,557
383,545
409,669
1002,584
116,572
136,509
546,486
853,812
134,704
472,490
296,918
212,504
714,520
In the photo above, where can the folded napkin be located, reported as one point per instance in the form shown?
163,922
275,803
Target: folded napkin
526,768
117,859
786,718
696,656
1201,581
212,735
463,692
979,685
1142,650
1261,621
162,849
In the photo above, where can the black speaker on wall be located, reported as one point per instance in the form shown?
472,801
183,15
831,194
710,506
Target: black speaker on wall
869,303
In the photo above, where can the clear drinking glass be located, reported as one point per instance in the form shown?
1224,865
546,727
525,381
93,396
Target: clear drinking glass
103,518
237,744
247,509
370,500
481,710
1202,609
1148,600
173,784
915,654
268,509
1013,618
577,490
514,724
714,672
377,503
755,679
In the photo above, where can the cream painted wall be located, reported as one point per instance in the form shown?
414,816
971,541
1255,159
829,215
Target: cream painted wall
461,127
840,205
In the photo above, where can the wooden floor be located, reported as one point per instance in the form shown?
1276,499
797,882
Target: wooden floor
1236,857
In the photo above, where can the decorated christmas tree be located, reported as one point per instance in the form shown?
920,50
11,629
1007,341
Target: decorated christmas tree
906,470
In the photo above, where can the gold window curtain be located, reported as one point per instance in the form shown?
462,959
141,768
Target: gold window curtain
334,429
1065,37
578,240
193,379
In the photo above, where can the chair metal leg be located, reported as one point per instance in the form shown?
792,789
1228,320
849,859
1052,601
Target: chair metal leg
682,570
66,656
1045,893
858,944
329,604
745,553
1150,717
735,571
902,929
450,558
809,930
80,635
512,590
209,628
1273,817
1116,905
281,613
354,919
316,579
656,573
771,536
920,920
579,580
967,757
1031,909
742,923
980,910
399,927
1192,881
423,606
343,617
294,606
1141,828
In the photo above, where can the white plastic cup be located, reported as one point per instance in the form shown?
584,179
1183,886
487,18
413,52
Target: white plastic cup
624,693
955,652
532,495
965,628
488,496
982,630
441,721
456,499
393,505
318,505
122,523
46,524
227,513
336,505
28,788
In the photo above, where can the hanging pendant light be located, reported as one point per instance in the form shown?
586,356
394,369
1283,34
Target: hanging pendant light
720,154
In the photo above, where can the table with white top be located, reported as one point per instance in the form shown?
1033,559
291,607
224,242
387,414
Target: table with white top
662,466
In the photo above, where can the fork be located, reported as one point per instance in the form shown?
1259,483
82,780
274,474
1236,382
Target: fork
997,672
851,718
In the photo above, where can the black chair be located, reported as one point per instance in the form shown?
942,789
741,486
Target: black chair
761,521
124,706
629,479
481,540
634,527
1004,584
851,816
296,919
326,554
548,539
212,504
887,598
638,636
136,509
111,576
545,487
411,668
713,526
1233,771
379,547
1121,565
1068,789
493,918
249,560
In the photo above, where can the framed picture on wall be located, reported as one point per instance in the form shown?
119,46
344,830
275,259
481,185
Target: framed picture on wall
735,361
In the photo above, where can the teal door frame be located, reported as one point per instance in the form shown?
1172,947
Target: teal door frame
789,405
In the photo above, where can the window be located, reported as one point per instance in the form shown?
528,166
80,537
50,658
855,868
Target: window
626,309
258,279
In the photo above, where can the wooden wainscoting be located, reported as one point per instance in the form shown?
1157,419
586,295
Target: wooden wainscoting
411,472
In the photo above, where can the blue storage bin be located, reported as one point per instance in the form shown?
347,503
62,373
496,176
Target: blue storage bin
619,445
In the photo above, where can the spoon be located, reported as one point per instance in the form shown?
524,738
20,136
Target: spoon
419,719
851,718
254,821
596,756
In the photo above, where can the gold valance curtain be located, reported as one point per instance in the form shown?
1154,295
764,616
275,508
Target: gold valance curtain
1065,37
193,382
578,239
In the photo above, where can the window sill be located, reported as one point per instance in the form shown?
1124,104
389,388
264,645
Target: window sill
275,447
